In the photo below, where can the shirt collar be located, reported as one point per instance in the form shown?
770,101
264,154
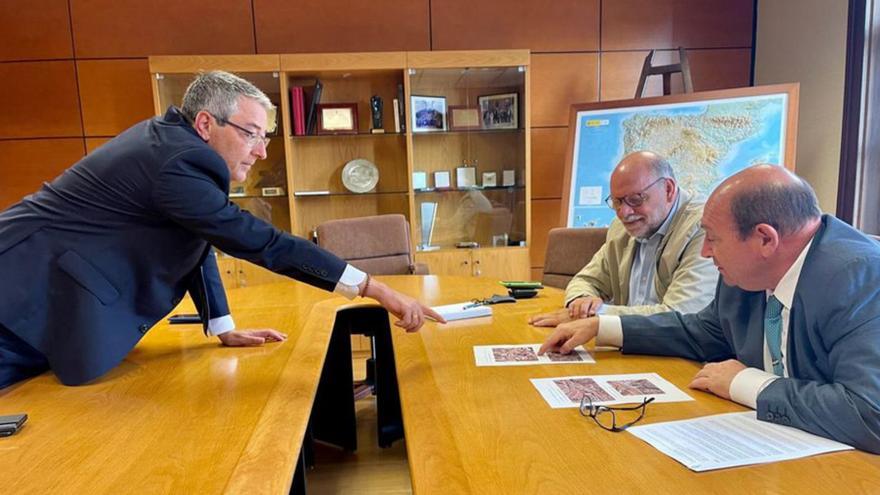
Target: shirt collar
784,290
664,227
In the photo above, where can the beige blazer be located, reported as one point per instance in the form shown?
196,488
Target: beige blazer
684,281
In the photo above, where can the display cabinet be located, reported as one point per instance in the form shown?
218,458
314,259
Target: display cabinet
375,182
440,137
470,160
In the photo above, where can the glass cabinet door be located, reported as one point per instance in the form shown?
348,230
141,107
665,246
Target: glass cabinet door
469,163
264,193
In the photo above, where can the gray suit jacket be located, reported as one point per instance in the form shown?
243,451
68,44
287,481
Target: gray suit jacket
833,354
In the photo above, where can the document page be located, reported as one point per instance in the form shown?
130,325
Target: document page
733,439
567,391
526,354
462,311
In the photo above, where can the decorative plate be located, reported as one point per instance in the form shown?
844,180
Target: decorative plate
360,175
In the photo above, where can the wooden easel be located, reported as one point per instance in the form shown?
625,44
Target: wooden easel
683,66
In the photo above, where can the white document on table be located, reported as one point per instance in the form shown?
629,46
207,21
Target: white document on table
461,311
733,439
567,391
526,354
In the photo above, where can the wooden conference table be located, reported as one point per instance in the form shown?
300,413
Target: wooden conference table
184,415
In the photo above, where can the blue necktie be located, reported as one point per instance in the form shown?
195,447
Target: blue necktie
773,332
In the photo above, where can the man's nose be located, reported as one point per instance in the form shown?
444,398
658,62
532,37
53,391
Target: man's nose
260,150
706,250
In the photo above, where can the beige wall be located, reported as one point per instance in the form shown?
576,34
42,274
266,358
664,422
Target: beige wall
805,41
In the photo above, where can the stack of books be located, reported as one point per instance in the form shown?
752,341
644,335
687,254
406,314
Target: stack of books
304,120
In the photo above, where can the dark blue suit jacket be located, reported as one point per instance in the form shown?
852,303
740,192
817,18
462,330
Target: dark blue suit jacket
833,354
96,257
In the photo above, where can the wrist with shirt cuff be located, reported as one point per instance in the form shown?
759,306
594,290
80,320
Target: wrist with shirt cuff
350,281
221,325
748,384
610,331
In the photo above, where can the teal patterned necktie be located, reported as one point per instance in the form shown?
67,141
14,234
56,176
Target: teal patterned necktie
773,332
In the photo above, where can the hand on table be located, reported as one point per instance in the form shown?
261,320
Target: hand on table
243,338
717,377
410,312
551,319
584,306
569,335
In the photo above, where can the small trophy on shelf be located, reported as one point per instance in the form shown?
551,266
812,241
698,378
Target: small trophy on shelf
428,216
376,114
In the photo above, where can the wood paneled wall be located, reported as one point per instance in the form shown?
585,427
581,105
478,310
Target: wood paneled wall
73,73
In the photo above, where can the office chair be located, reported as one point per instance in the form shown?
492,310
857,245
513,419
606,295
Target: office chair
568,251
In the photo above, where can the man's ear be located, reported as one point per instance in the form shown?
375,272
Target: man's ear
670,189
767,238
203,123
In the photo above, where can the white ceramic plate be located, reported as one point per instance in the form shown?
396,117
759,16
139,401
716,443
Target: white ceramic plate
360,176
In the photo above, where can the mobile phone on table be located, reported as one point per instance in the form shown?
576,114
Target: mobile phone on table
9,425
519,284
184,319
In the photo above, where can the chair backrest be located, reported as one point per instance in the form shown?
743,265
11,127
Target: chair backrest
568,251
378,245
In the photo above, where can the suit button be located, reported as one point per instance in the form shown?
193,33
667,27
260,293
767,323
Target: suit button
323,273
143,328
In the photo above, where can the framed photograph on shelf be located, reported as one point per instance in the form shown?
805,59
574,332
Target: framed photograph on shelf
499,111
337,118
462,118
420,181
465,177
441,180
428,113
490,179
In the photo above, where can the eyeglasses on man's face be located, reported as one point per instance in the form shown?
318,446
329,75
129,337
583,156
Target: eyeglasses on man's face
251,137
614,418
633,200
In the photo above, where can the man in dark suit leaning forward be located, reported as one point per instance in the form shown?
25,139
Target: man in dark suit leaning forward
96,257
794,329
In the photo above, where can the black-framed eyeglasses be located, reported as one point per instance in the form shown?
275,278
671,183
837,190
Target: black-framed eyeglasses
633,200
607,416
251,137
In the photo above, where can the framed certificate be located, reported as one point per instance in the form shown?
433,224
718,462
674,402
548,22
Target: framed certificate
464,118
337,118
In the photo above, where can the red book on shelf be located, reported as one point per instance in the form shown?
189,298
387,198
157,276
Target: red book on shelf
298,111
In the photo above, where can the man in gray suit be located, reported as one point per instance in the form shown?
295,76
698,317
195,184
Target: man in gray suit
794,329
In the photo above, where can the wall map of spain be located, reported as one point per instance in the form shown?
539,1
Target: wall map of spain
704,141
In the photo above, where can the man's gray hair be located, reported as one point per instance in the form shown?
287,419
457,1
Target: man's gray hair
787,207
217,92
661,168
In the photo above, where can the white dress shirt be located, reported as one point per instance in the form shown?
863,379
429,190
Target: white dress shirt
347,286
748,383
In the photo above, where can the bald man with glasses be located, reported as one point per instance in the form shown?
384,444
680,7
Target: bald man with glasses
650,262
